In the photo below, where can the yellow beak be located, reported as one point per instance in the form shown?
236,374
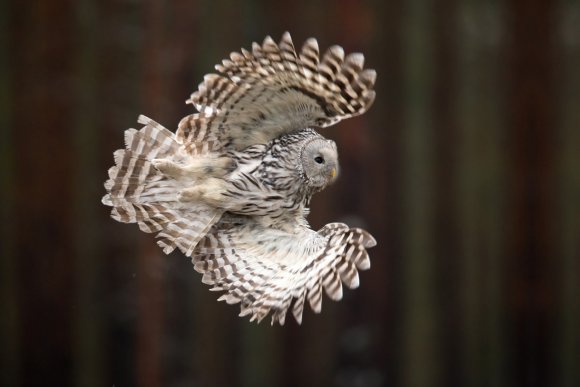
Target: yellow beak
333,173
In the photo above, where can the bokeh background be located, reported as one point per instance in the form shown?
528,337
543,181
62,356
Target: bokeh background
466,169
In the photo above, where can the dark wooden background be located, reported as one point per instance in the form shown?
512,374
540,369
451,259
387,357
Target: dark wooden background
466,169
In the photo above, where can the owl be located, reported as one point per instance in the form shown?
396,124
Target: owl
231,187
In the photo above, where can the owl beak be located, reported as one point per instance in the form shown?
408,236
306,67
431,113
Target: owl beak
333,173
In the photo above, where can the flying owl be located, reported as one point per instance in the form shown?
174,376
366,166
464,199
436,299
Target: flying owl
231,188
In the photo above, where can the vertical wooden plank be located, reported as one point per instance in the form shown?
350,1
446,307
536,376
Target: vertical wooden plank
567,341
151,267
89,350
120,86
386,280
42,101
531,115
259,360
421,363
9,323
445,218
481,190
363,321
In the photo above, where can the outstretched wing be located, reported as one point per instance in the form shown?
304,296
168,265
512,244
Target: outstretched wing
266,269
272,90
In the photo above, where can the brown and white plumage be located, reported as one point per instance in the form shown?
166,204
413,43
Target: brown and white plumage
231,188
273,90
266,269
140,193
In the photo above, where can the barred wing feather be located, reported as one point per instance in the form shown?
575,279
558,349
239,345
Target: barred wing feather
268,270
261,94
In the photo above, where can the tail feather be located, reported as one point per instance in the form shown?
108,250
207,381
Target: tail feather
140,193
154,140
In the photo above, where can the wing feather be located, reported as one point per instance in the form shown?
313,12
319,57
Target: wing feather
272,271
261,94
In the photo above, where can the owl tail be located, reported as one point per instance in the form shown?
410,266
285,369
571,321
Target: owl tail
140,193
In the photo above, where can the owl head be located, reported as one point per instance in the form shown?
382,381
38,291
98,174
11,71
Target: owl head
319,159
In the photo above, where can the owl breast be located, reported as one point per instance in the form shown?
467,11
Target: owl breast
268,179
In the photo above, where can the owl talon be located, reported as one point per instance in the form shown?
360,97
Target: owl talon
211,191
168,168
190,194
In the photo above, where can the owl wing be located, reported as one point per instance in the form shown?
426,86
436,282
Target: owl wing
266,269
272,90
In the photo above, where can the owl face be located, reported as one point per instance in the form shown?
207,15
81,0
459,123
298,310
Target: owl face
320,162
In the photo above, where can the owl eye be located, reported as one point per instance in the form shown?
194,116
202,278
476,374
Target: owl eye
319,160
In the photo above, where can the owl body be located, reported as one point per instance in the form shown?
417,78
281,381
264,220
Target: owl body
231,188
267,181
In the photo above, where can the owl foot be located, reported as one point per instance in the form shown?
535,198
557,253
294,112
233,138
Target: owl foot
210,191
168,168
197,169
218,167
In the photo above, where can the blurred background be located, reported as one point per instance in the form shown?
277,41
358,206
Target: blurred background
466,170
